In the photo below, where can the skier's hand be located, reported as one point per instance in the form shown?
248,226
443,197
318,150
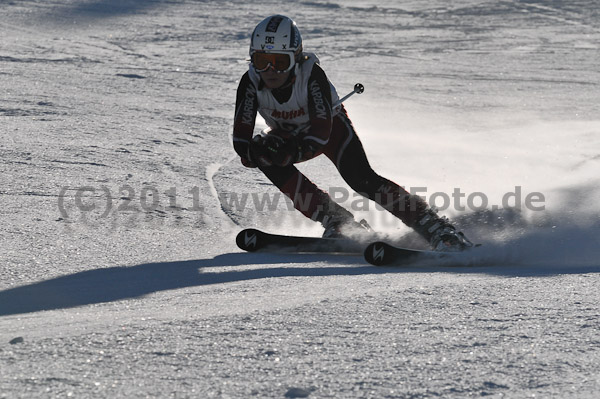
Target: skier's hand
242,148
283,151
248,163
309,149
258,152
274,150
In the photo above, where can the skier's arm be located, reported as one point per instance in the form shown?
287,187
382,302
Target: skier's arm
246,107
320,113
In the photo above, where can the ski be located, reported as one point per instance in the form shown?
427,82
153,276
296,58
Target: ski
380,253
253,240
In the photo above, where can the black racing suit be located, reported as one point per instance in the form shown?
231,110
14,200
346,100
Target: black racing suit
342,146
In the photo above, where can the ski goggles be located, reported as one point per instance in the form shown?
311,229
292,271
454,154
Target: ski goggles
280,62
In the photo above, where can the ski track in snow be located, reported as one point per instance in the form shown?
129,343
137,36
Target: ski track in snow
119,273
211,170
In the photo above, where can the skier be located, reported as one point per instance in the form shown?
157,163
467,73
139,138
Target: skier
294,96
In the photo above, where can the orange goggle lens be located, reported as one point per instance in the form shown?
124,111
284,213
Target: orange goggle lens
279,62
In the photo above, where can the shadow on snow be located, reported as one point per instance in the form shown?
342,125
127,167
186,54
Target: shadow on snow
118,283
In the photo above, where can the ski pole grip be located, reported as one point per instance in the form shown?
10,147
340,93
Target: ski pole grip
358,88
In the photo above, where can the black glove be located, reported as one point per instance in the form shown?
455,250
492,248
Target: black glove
273,150
243,150
308,149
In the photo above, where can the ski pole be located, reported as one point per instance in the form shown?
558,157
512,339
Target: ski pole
358,88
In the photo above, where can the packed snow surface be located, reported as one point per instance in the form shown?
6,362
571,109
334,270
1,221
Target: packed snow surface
121,197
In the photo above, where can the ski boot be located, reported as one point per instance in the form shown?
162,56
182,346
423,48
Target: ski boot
441,234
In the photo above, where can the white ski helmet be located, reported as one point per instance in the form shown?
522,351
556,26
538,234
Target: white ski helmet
277,34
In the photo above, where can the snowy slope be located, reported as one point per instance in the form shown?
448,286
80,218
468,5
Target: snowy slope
119,275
